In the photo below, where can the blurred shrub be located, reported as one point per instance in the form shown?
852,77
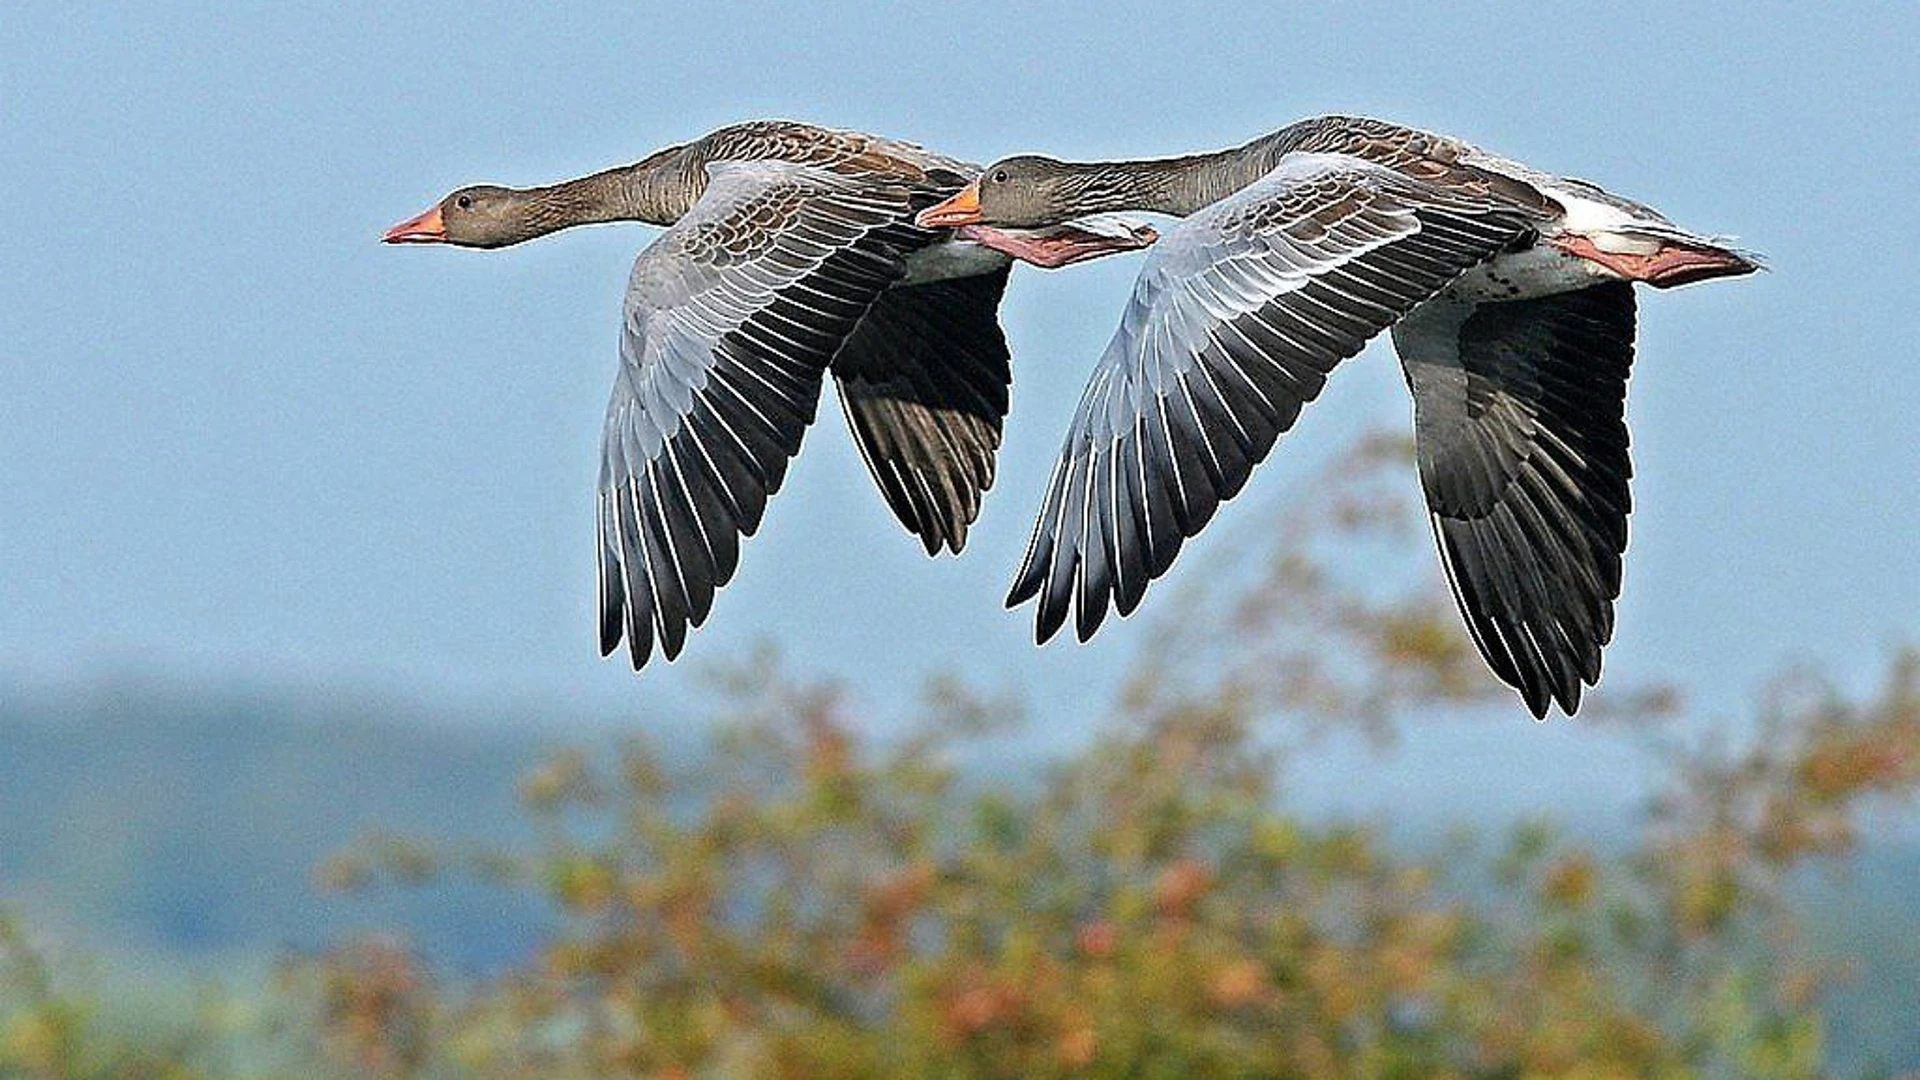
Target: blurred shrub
51,1031
809,901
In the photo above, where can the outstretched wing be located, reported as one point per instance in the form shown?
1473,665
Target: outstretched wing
731,318
1238,316
1520,427
923,380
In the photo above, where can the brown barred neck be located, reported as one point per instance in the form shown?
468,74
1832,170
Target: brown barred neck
1178,186
657,190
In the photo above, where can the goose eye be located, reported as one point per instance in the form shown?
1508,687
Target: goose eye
464,202
1000,176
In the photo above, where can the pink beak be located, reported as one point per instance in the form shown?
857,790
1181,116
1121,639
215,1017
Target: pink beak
428,228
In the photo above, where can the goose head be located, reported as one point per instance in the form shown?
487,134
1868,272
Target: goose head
1024,192
482,216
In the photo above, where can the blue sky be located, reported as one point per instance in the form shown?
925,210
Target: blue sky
244,440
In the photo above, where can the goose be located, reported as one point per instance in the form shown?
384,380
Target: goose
1509,296
790,251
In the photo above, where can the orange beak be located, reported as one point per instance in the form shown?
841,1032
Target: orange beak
428,228
962,209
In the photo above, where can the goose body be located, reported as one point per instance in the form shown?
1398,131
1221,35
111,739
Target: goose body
790,252
1508,295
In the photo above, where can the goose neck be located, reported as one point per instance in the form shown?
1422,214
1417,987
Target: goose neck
656,190
1177,186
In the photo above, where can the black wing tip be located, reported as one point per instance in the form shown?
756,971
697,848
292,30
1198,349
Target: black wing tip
1568,698
1090,613
1047,621
673,639
1024,588
1537,699
1051,618
611,631
1543,694
939,540
639,649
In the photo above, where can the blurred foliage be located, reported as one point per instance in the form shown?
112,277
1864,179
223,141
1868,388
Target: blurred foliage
808,900
51,1031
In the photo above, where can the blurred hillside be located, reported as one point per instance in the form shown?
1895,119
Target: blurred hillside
807,888
179,835
192,823
183,823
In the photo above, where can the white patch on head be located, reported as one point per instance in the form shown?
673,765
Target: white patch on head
1610,228
1586,215
1615,243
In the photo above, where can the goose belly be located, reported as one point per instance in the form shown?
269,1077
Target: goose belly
1539,270
949,259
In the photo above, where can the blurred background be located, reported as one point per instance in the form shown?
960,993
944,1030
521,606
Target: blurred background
307,760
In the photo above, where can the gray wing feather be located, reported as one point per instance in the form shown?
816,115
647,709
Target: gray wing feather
1521,432
1239,315
731,318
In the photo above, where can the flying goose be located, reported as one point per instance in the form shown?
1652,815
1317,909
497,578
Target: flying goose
1509,294
790,252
